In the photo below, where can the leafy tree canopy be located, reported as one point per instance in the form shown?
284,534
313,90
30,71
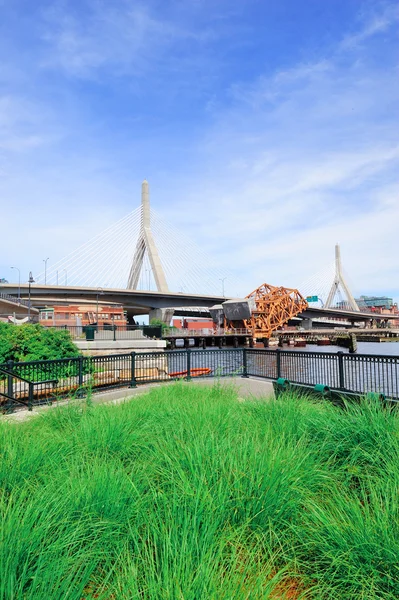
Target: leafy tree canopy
34,342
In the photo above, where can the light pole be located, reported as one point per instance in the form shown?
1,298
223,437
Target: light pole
45,270
99,291
222,279
19,282
57,277
31,280
66,277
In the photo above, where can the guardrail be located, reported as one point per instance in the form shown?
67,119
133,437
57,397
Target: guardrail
13,299
181,333
340,372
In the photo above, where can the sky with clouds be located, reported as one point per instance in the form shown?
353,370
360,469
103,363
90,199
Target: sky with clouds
268,131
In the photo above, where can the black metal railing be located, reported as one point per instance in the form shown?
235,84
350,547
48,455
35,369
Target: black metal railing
43,381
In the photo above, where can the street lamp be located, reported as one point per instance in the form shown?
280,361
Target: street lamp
31,280
222,279
19,283
66,277
99,291
45,270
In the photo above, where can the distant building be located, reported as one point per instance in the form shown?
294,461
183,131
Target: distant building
82,315
193,324
374,301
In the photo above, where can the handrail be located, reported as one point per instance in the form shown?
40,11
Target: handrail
31,384
11,399
5,372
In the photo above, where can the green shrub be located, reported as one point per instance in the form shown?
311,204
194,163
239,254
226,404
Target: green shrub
33,342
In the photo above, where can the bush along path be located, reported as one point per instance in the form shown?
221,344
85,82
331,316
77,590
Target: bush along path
34,342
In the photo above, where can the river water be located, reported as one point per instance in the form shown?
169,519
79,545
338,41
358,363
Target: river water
378,348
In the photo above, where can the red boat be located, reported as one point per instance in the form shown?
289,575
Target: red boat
193,372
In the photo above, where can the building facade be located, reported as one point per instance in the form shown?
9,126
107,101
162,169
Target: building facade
87,314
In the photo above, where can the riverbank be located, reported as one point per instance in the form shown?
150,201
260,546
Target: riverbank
189,493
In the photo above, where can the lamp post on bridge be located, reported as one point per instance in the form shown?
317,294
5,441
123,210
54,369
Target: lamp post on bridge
19,283
222,279
45,270
31,280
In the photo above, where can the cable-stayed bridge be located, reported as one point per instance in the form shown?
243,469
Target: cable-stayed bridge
148,266
141,251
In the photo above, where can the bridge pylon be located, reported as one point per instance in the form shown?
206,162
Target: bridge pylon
339,281
146,243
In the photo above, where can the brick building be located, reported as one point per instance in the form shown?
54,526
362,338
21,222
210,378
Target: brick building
85,314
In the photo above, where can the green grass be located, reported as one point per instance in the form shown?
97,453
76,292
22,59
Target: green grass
189,494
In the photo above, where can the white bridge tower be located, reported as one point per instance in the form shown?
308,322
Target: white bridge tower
339,281
145,243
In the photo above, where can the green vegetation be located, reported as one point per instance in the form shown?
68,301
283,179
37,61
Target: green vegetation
34,342
189,494
159,323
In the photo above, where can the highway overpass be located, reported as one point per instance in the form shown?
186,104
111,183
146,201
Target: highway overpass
139,302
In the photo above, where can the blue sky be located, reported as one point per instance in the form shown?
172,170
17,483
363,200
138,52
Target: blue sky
268,131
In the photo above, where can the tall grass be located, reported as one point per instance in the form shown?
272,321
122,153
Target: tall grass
189,494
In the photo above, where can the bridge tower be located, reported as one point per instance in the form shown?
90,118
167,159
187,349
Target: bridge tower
339,281
146,243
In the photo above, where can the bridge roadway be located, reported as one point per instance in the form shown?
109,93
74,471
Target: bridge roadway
140,302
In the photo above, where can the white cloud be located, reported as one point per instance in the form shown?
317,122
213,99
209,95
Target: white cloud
123,37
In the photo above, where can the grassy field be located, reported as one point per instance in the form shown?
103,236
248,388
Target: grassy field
189,494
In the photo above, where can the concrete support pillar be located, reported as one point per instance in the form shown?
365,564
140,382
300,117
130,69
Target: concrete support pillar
163,314
307,323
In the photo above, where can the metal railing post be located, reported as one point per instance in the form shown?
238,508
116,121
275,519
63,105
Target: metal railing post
244,363
341,372
133,382
80,375
10,387
278,362
188,352
30,396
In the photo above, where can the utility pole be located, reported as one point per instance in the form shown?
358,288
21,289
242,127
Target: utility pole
31,280
45,270
222,279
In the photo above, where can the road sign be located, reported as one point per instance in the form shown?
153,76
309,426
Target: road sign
312,298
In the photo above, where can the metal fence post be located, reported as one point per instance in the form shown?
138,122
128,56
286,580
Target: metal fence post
278,362
188,352
10,387
30,396
341,372
133,382
244,363
80,375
